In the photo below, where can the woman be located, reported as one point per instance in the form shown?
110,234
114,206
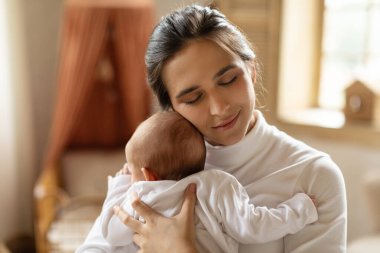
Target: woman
201,66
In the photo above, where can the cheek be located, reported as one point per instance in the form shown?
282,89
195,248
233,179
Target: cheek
248,94
251,96
242,94
195,114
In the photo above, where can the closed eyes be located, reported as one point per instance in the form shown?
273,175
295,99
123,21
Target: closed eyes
228,82
196,97
193,101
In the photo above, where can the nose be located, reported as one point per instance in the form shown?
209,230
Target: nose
218,105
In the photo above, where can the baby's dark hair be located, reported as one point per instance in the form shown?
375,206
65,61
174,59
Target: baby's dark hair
169,145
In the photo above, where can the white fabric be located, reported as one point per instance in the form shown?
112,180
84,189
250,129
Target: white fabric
223,207
272,167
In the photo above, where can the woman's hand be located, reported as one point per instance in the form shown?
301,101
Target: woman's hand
162,234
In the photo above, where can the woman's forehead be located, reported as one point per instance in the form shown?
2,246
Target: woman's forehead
198,61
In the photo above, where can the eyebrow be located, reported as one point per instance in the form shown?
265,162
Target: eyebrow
224,70
185,91
218,74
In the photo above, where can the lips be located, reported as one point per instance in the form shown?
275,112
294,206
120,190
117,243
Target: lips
227,123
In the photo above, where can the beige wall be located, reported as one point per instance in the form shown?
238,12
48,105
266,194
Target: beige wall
39,27
26,63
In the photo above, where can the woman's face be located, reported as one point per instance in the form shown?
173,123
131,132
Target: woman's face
212,89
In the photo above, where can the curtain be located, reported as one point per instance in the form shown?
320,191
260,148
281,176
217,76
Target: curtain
102,94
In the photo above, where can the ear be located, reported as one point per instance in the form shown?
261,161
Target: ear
149,175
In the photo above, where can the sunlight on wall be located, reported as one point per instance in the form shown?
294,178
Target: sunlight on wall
4,67
7,134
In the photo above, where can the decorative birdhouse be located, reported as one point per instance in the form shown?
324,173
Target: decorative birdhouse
362,102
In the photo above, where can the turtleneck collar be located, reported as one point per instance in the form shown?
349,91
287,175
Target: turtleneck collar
229,158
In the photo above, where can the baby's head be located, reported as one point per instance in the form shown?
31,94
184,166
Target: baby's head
168,146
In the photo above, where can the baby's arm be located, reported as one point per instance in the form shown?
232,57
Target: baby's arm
114,232
248,223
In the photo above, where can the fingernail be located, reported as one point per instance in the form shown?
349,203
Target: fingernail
134,196
192,188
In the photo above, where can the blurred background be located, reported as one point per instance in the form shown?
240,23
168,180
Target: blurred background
311,52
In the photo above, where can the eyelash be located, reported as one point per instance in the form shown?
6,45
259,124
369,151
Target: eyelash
228,82
199,96
194,100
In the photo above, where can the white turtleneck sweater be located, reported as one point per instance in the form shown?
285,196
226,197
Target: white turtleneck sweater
272,166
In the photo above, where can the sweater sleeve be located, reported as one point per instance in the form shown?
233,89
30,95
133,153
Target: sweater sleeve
324,180
113,230
248,223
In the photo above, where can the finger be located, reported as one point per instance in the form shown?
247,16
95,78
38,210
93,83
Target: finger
137,239
314,199
315,202
125,169
143,210
128,220
188,205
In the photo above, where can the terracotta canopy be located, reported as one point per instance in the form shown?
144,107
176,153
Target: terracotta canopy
102,93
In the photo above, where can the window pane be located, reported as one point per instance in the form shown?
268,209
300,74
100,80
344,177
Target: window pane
374,35
345,3
370,72
350,48
344,32
336,74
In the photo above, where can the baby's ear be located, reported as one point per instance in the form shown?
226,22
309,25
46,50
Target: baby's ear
149,175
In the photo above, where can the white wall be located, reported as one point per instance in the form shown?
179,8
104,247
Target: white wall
17,142
29,62
7,133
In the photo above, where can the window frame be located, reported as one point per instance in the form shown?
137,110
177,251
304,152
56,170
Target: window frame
288,118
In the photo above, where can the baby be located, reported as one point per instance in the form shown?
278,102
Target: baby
165,154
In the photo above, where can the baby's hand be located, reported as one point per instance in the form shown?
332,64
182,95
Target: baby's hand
314,199
123,171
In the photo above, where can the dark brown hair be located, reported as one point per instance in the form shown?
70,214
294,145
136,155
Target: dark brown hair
168,145
182,26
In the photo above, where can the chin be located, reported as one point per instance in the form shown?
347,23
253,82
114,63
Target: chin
230,139
227,142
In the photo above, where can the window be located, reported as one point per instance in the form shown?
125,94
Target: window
324,46
350,48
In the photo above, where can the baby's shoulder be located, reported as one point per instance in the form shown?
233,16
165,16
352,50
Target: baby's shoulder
215,171
216,176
